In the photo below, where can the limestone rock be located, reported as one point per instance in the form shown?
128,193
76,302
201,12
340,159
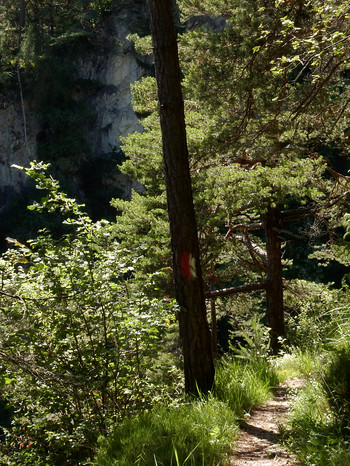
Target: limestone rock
14,149
114,64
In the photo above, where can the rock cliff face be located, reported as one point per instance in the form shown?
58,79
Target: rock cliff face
116,65
13,149
113,63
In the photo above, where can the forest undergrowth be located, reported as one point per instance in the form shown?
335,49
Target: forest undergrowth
205,432
106,387
92,367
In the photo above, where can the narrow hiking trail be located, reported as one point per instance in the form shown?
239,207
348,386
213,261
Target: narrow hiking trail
259,441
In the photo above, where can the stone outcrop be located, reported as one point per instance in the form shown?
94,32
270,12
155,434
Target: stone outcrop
14,149
114,64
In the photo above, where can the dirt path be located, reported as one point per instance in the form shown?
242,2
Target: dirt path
259,442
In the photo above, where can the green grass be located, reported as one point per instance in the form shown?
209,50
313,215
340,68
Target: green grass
203,432
299,364
197,433
242,385
318,426
313,432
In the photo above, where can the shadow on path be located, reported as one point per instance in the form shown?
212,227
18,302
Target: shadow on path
259,442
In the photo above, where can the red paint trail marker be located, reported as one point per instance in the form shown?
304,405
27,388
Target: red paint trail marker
188,265
185,264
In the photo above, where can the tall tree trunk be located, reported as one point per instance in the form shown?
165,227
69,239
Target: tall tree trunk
214,328
22,14
22,21
274,290
194,329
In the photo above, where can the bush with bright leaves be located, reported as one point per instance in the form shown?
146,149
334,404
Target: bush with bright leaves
77,337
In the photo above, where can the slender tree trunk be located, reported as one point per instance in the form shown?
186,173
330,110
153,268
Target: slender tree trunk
274,291
214,328
194,329
22,21
52,20
22,15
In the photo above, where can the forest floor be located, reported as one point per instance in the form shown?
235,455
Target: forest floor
259,442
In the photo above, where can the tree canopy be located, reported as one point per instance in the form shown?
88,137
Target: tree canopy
265,100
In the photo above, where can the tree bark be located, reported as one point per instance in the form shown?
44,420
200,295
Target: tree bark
194,329
22,15
274,276
214,328
21,24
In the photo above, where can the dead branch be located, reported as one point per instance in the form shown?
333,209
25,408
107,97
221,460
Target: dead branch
243,226
289,233
237,289
254,250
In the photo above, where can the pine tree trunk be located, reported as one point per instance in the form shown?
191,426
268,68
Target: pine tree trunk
22,14
274,291
194,329
21,21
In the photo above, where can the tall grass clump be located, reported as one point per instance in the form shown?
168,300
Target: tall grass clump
313,431
246,378
242,384
318,428
200,432
193,434
336,383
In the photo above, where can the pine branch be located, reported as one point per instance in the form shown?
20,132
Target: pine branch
237,289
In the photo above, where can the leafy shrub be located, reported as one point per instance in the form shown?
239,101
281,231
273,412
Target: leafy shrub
255,346
317,314
77,337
